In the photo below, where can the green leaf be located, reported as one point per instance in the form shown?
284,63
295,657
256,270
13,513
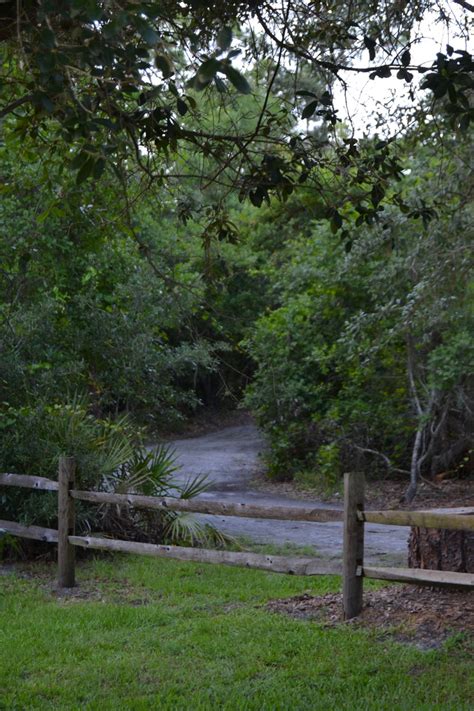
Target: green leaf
78,160
208,69
47,103
88,8
237,79
377,194
441,88
182,107
336,221
326,99
452,93
173,88
405,74
256,197
309,109
164,64
464,122
98,169
86,170
224,38
197,83
370,44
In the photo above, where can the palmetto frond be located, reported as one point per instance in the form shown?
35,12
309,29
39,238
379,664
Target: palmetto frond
194,487
188,529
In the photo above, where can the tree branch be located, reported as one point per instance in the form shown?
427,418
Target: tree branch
465,5
386,459
15,105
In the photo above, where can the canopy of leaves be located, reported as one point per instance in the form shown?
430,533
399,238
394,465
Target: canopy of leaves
117,81
360,349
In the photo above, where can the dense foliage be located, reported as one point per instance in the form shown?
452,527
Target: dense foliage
123,80
137,280
366,356
90,331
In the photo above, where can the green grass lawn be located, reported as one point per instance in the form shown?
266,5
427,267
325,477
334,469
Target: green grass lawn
159,634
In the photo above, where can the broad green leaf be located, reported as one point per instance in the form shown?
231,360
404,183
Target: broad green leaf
224,38
208,69
99,167
86,170
237,80
309,109
164,64
182,107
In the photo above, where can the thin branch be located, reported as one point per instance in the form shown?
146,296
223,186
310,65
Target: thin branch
15,105
330,66
264,107
465,5
386,459
411,377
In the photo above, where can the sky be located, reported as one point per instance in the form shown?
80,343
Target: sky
364,95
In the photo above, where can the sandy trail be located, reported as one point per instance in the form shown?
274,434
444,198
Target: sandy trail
230,460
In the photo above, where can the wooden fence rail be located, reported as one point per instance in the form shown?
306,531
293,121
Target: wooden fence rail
420,576
292,565
354,519
28,482
424,519
219,508
35,533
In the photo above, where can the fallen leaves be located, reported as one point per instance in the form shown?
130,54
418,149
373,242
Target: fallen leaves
420,616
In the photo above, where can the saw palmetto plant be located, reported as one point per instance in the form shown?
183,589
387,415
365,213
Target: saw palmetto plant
151,472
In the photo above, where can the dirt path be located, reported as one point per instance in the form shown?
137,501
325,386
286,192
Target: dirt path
230,459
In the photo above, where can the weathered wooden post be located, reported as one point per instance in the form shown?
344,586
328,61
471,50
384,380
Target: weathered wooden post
353,545
66,552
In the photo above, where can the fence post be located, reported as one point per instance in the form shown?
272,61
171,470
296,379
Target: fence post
66,552
353,545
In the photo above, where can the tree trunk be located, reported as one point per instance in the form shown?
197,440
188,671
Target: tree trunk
438,549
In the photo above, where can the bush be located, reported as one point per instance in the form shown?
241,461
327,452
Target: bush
110,457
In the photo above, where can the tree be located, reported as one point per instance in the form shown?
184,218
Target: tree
119,80
82,307
364,354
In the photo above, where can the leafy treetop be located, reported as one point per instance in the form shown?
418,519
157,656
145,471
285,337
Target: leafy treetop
116,81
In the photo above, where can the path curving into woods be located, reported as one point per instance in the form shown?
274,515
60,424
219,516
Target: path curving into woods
230,460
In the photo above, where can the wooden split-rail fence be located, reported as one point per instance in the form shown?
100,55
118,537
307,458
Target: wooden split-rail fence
354,518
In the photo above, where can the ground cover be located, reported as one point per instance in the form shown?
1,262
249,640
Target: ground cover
417,615
383,493
141,634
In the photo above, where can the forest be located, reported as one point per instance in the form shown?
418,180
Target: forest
236,355
194,224
191,220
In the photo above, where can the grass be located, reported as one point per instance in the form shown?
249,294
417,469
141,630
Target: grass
160,634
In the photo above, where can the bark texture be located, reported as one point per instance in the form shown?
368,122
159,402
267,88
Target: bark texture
438,549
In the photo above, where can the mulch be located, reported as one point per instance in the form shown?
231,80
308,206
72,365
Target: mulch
449,493
383,494
422,617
